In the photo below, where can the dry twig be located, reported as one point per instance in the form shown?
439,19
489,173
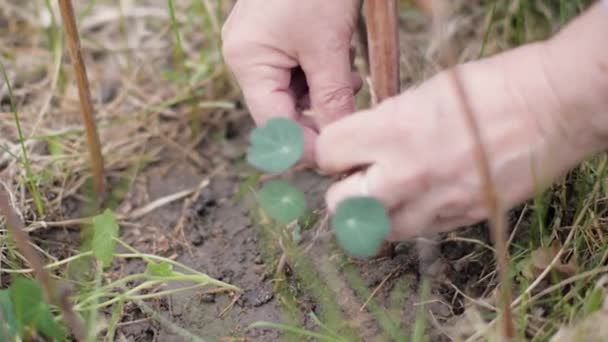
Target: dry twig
93,143
498,221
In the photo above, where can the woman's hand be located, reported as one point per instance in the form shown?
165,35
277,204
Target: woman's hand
267,45
417,154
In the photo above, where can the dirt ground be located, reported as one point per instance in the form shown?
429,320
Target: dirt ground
223,240
220,234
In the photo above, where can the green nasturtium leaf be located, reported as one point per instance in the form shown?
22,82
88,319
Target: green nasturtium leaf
105,230
277,146
282,202
31,310
8,323
162,269
361,225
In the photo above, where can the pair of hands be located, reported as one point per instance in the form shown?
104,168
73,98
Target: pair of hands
415,149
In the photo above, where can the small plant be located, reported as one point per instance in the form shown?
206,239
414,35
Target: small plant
27,312
360,223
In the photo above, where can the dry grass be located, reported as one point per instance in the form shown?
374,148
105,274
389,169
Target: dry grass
153,96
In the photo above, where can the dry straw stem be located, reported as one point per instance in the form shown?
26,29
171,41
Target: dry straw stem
17,230
438,10
382,19
93,143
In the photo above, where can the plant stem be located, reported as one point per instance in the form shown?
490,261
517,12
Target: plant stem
179,49
29,175
69,23
49,266
498,221
16,228
486,35
383,44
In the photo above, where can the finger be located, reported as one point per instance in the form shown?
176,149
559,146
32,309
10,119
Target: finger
310,137
303,97
271,99
330,84
411,220
447,225
357,82
375,182
267,94
352,142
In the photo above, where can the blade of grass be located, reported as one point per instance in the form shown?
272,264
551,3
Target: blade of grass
93,143
418,335
55,45
179,48
486,35
26,162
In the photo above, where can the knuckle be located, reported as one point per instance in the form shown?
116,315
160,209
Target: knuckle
231,49
457,205
338,99
331,199
321,153
417,180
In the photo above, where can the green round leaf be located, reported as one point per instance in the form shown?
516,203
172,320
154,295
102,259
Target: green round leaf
361,225
282,202
277,146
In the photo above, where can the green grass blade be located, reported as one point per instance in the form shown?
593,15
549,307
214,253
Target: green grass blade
488,30
26,162
179,48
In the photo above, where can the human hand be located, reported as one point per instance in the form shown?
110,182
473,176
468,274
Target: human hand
417,153
293,55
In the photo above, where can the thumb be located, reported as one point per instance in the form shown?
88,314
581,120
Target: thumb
331,85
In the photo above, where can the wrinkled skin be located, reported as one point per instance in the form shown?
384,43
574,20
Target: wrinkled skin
292,55
541,109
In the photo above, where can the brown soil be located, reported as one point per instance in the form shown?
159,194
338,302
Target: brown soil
214,234
221,238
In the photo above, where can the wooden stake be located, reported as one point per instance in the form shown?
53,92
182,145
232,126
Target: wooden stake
382,19
93,143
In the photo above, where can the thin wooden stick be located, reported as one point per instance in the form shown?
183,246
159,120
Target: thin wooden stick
498,221
17,229
94,145
382,20
382,29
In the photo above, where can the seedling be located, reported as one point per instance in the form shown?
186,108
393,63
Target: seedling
277,146
360,224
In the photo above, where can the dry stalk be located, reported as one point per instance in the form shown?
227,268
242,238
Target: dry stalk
381,28
17,229
497,217
383,47
84,93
